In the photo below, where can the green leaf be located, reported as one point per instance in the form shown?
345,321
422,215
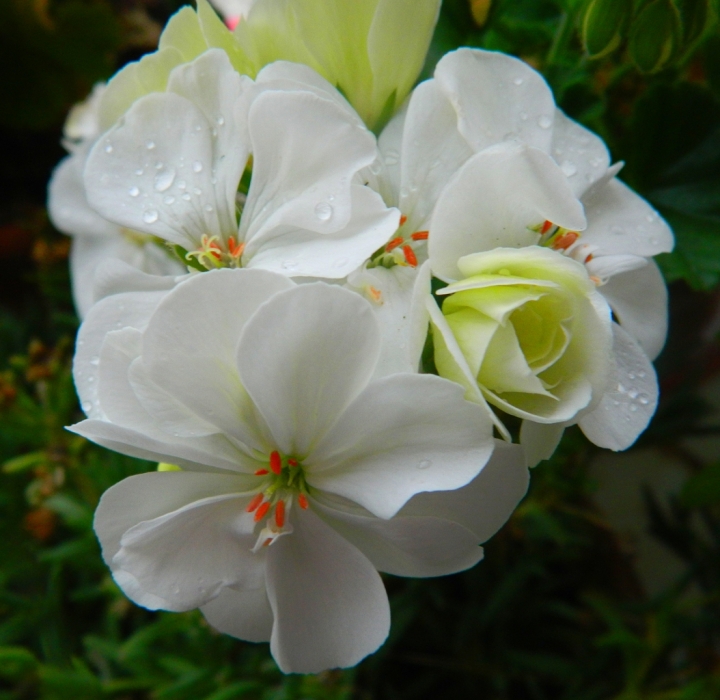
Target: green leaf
695,15
702,489
655,36
603,26
16,661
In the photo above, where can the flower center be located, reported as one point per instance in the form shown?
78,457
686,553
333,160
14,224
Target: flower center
567,243
401,249
213,253
283,483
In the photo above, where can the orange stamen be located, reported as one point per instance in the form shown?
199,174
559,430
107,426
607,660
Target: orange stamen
566,240
292,463
375,294
275,462
256,501
546,227
394,243
420,235
280,513
410,255
261,472
236,249
403,219
303,501
261,512
589,258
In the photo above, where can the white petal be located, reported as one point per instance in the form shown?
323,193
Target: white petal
397,297
540,440
67,204
153,172
493,200
387,178
639,300
621,222
330,606
485,504
418,546
306,150
304,357
404,434
582,155
115,276
190,344
605,266
189,555
148,496
497,98
432,152
245,614
630,401
124,310
305,253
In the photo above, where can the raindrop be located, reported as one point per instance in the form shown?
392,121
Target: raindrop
181,184
186,197
642,375
633,407
568,168
650,218
392,158
164,180
158,165
633,394
631,375
197,167
518,81
545,122
221,120
198,127
169,199
139,171
133,191
150,145
323,211
424,464
208,208
95,361
91,379
87,406
653,241
150,216
197,191
108,149
644,399
524,116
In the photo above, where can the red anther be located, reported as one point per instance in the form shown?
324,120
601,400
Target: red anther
303,501
280,513
214,244
589,258
403,219
546,227
261,512
215,254
236,249
394,243
292,463
256,501
275,462
566,240
410,255
261,472
420,235
267,542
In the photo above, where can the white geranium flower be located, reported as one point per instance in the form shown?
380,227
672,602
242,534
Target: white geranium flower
525,326
95,239
172,166
293,461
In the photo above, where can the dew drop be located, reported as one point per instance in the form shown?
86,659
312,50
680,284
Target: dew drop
392,158
642,375
518,81
221,120
323,211
164,180
631,375
139,172
197,167
133,191
653,241
95,361
524,116
644,399
208,208
424,464
150,145
186,197
568,168
169,199
150,216
633,407
108,149
181,184
158,165
87,406
197,191
545,122
91,379
633,394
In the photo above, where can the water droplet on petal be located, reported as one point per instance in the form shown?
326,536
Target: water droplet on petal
208,208
164,180
545,122
197,191
644,399
424,464
197,167
139,172
87,406
323,211
95,361
150,145
186,197
169,199
181,184
633,407
568,168
150,216
392,158
108,149
221,120
133,191
524,116
518,81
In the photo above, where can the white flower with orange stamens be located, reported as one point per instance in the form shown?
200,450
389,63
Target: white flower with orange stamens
301,475
171,167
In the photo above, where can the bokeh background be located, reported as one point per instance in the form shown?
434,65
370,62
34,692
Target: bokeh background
606,582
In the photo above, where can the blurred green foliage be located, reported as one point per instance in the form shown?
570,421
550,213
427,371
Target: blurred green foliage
556,611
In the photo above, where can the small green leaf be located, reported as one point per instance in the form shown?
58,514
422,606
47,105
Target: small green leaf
24,462
603,26
655,36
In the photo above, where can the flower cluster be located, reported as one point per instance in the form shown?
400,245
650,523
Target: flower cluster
263,280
